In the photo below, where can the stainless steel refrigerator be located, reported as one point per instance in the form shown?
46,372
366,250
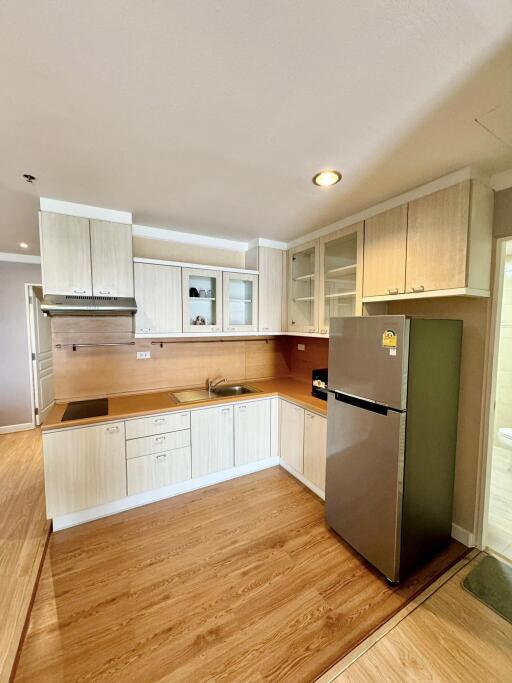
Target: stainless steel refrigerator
391,436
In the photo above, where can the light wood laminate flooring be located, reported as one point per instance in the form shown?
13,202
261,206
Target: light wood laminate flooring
241,581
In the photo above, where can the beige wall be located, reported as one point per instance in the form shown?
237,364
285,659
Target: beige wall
189,253
503,413
15,404
503,213
474,314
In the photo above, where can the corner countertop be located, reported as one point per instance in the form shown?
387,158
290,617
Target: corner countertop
138,405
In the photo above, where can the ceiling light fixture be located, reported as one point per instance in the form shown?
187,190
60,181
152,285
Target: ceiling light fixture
23,245
327,178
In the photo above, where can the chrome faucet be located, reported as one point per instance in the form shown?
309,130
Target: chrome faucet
214,383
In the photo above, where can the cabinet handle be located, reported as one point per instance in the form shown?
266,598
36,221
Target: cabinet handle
225,410
242,407
393,291
159,420
161,456
112,430
104,293
324,331
265,328
160,438
293,322
79,291
145,329
421,288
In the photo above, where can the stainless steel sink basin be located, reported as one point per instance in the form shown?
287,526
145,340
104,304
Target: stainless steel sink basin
233,390
226,390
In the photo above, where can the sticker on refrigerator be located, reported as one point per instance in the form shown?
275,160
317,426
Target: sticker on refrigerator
389,339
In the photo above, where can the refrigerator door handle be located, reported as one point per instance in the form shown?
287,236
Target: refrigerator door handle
364,403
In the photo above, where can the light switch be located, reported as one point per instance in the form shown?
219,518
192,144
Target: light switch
301,347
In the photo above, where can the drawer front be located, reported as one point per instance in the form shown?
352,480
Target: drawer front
159,443
157,424
161,469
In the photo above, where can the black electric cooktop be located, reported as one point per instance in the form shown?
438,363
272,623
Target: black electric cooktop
77,410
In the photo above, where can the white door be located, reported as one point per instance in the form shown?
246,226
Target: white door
212,440
252,431
42,359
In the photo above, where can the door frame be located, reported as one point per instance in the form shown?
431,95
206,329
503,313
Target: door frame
29,292
484,474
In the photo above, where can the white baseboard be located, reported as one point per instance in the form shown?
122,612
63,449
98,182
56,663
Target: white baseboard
464,536
129,502
302,479
23,427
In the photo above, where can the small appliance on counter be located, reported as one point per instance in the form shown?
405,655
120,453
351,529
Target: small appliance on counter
319,385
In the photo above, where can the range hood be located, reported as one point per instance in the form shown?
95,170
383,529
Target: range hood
65,304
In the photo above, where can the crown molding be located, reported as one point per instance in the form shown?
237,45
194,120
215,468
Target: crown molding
19,258
188,238
84,211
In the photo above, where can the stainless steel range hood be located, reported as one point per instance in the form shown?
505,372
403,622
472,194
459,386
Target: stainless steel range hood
65,304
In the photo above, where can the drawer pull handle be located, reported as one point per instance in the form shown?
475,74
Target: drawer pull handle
162,456
145,329
393,291
243,407
79,291
159,420
112,430
421,288
225,410
160,438
105,293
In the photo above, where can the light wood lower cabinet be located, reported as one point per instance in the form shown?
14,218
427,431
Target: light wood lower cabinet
157,444
252,431
292,435
153,471
212,440
157,424
315,448
84,467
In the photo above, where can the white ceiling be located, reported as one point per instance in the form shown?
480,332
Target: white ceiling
212,116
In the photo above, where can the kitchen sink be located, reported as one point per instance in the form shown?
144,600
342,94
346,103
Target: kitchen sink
192,395
233,390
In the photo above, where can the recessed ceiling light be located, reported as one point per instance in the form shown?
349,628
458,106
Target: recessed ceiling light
327,178
23,245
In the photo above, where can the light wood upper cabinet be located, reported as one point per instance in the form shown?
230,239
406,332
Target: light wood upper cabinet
449,239
112,259
84,467
315,448
212,440
270,266
303,283
252,431
65,254
202,300
158,296
291,446
240,302
341,274
385,247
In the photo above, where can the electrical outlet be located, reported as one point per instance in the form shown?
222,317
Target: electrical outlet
301,347
143,355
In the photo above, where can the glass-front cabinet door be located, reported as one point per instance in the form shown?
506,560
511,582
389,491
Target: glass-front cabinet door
341,274
240,303
202,300
303,262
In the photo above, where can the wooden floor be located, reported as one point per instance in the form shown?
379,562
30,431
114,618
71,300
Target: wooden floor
23,534
451,637
237,582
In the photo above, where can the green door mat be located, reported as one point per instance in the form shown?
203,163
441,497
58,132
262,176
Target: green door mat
491,582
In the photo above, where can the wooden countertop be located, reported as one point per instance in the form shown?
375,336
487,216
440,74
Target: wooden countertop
135,405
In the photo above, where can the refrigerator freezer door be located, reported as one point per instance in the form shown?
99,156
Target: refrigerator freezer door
368,358
363,496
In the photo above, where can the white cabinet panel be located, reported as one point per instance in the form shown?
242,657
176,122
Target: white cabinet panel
162,469
240,304
158,296
212,440
65,254
112,259
292,435
315,448
84,467
252,431
157,424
